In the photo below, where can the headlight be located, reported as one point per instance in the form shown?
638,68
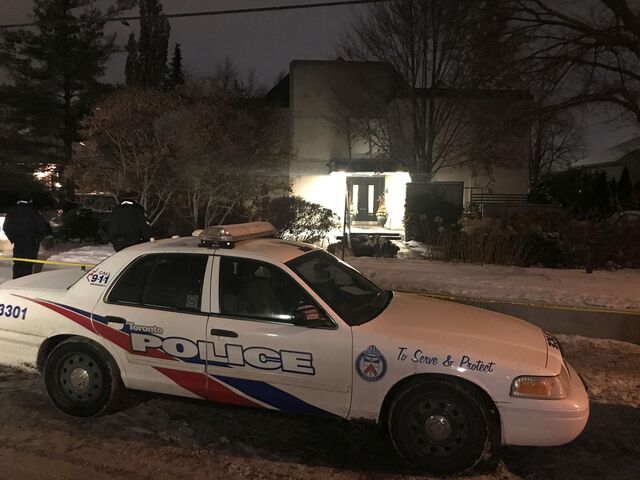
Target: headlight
545,388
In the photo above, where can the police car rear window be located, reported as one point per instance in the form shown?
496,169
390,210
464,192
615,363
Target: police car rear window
171,281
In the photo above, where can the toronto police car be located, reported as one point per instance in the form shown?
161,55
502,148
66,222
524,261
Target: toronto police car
238,316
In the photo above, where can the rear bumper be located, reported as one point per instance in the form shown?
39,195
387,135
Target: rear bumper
546,422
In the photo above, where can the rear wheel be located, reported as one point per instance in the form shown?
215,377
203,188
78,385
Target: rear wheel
442,427
81,378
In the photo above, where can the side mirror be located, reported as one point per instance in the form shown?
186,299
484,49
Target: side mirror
309,316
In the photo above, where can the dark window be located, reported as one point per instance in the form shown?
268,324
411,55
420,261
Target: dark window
352,296
130,286
257,289
166,281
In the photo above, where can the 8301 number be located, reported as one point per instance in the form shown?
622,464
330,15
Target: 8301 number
12,311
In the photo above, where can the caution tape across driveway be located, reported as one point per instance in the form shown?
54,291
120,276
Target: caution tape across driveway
47,262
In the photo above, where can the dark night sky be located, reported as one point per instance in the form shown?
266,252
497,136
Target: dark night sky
267,42
264,41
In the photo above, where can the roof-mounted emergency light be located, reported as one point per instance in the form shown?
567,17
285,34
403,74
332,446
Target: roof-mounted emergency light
225,236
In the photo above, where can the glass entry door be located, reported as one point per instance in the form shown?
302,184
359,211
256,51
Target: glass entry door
365,192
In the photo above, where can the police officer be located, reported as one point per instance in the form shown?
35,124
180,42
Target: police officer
128,223
25,227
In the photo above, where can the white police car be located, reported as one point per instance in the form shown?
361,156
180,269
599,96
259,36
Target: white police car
237,318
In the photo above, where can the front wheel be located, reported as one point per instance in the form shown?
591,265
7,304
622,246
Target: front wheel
81,378
443,427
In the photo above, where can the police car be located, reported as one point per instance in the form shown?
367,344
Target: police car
241,317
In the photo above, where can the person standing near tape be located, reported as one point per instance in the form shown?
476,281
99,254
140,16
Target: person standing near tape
128,223
25,227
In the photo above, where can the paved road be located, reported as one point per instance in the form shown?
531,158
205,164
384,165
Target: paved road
594,324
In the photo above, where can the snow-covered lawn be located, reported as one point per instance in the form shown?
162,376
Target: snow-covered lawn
89,254
615,289
611,289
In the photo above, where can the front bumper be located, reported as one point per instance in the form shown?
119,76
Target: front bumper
546,422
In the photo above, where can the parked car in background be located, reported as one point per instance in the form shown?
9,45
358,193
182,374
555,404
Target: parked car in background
87,217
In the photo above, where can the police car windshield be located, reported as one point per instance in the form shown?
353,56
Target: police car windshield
353,297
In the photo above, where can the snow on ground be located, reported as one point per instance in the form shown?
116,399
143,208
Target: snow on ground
158,436
89,254
612,289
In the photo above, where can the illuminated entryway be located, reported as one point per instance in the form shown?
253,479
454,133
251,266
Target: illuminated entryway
365,194
330,191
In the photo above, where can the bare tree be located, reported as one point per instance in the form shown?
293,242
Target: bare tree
130,147
555,143
445,54
232,159
593,46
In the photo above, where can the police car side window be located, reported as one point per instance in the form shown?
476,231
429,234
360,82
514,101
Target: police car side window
171,281
130,286
249,288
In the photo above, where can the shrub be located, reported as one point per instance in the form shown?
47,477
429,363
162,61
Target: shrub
365,246
427,215
300,220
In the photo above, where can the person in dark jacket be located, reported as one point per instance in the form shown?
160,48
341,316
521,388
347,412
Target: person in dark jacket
25,227
128,223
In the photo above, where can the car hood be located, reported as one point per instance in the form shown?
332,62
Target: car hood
417,319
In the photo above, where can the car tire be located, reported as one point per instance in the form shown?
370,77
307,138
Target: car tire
81,378
443,427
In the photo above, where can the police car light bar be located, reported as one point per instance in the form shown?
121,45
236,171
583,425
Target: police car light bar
225,236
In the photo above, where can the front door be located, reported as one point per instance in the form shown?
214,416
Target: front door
156,313
365,193
258,357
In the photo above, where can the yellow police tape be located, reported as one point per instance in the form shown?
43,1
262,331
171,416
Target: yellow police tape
47,262
551,306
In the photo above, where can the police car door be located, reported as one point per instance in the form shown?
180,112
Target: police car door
258,357
156,312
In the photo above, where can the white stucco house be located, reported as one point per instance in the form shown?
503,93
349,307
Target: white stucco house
323,102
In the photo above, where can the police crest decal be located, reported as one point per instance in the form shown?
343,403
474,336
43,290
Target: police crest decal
371,364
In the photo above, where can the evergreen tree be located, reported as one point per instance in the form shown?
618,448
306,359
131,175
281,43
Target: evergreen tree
625,188
176,77
131,73
54,69
147,60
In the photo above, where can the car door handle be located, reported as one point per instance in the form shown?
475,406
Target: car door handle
223,333
119,320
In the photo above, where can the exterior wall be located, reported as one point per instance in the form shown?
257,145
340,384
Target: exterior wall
502,180
395,185
328,190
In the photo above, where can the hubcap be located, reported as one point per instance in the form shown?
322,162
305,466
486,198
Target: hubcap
80,378
438,427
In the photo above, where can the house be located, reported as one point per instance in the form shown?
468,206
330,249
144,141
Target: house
614,160
337,112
